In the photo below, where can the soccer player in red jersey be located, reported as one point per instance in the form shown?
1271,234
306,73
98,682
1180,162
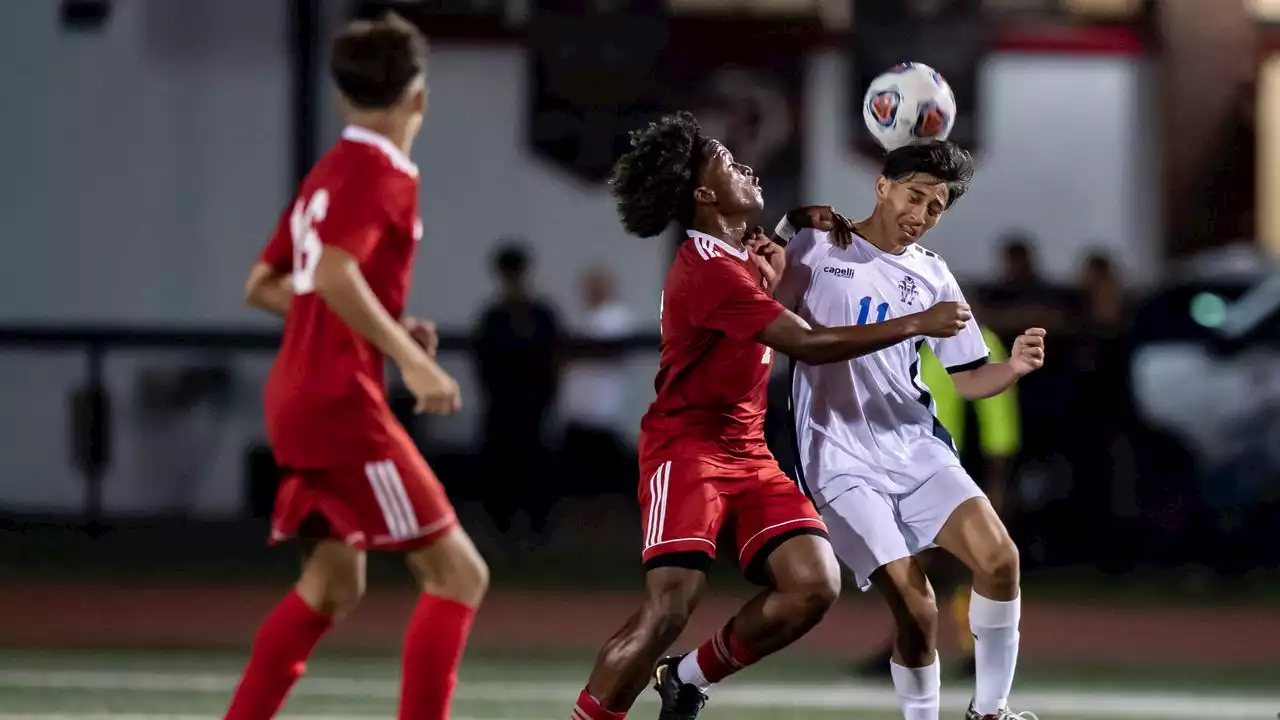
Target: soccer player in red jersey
338,269
703,460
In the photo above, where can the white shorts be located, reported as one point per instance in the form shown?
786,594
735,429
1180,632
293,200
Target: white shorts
869,529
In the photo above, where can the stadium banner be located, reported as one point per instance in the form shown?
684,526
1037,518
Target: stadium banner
951,36
589,65
597,77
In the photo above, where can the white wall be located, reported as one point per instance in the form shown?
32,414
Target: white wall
147,164
141,162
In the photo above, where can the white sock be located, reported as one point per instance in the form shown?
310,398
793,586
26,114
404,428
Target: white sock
690,672
918,689
995,650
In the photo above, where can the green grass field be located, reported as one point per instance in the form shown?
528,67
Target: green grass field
186,685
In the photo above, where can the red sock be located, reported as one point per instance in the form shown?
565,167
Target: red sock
588,708
723,655
432,650
280,650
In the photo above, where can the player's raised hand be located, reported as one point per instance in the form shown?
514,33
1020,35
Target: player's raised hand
423,332
1027,354
826,219
434,391
945,319
766,255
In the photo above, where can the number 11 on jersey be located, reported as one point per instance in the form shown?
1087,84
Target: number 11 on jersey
864,311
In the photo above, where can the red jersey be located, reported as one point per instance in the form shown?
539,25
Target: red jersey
325,398
713,376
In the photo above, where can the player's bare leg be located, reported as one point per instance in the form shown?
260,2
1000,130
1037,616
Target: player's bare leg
332,583
917,675
977,537
453,579
625,663
804,583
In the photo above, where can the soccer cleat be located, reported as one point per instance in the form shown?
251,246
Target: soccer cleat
1001,714
680,701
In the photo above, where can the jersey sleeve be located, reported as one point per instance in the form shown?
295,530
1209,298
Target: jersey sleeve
965,351
726,299
278,252
804,252
358,214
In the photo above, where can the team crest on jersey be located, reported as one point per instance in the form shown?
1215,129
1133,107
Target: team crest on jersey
908,291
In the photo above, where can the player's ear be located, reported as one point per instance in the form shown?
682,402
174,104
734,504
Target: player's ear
883,184
704,194
420,99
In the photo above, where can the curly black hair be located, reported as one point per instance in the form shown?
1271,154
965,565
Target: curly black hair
942,159
653,183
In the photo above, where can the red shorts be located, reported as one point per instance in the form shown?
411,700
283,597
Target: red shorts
685,503
391,503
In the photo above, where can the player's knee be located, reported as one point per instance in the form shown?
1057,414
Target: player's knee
811,581
672,596
333,579
999,565
815,596
919,624
452,567
332,594
669,613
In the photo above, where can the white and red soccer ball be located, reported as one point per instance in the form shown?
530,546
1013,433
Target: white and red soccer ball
909,103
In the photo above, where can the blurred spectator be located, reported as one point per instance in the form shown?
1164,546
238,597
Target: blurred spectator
1104,492
1021,298
596,453
516,346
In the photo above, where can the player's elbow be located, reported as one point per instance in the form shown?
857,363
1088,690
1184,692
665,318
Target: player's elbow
257,287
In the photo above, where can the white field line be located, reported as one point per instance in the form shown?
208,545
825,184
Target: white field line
1080,702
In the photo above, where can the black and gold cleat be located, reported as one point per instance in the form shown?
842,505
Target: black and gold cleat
680,701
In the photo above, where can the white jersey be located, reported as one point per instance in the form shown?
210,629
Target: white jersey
870,421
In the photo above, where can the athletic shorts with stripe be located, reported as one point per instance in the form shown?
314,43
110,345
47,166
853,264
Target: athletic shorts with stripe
393,502
686,503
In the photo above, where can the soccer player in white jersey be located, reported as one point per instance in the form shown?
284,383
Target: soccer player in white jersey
878,464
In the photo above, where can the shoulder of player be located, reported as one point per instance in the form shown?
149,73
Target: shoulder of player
929,262
703,255
929,255
387,156
809,237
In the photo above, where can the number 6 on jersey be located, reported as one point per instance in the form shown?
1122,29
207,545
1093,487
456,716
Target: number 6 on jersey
306,241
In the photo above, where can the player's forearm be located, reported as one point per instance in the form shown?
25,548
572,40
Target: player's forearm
792,336
342,287
838,344
274,298
986,381
268,290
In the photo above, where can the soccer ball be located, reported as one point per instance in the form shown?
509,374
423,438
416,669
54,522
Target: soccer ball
909,103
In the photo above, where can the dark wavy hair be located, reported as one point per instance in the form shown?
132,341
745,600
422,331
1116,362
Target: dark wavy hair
653,183
942,159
